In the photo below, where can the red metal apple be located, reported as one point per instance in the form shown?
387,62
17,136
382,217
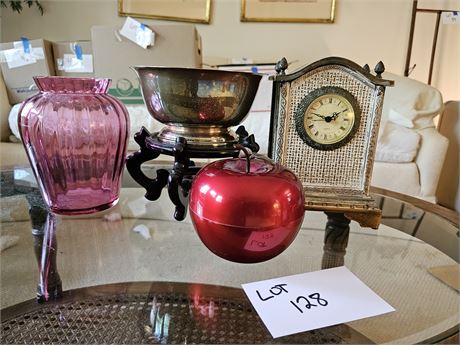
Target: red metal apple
246,211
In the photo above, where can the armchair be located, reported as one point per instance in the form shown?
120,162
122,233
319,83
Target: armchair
411,163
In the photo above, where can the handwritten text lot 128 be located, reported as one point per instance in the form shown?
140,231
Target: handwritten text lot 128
307,301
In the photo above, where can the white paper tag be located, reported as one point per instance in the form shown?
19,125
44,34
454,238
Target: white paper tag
17,57
70,63
307,301
138,33
451,17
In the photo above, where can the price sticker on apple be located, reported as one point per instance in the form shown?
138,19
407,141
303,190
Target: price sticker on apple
264,240
313,300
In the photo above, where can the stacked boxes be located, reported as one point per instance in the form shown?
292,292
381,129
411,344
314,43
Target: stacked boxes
20,62
108,55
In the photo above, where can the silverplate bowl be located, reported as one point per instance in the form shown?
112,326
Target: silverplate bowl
198,104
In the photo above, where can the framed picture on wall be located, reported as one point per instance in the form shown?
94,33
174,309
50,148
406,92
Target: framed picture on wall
293,11
195,11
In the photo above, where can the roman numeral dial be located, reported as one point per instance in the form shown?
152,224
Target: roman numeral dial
329,119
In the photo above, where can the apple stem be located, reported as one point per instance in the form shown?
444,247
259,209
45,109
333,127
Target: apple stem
248,157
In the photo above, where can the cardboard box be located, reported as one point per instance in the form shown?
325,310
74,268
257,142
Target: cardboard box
21,62
175,46
73,59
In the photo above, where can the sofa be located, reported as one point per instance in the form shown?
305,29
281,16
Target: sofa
410,150
11,150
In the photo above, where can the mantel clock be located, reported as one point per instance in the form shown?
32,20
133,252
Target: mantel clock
324,126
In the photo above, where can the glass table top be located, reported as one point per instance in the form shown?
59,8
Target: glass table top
138,241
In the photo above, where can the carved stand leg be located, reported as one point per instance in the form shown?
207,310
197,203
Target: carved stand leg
179,179
181,163
153,187
335,240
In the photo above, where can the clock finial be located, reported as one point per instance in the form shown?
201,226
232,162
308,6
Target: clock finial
379,69
281,66
367,68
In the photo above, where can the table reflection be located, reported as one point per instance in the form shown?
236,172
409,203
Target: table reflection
45,246
49,285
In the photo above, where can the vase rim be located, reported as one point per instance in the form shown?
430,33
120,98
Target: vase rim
61,84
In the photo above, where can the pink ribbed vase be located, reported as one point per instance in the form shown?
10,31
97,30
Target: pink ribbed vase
75,136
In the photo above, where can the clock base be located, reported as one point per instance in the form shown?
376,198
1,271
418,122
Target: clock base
363,211
367,219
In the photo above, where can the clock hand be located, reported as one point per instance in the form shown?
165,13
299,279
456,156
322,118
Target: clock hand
319,115
335,114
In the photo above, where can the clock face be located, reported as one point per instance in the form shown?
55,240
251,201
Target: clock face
327,118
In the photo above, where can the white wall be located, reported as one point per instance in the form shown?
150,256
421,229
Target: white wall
365,31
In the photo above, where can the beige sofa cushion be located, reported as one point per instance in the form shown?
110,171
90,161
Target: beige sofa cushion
397,144
12,154
390,175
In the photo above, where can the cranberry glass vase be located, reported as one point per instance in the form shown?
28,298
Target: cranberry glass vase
75,136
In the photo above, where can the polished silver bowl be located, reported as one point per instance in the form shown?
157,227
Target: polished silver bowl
198,104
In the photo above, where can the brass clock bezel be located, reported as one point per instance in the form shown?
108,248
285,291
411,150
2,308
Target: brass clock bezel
299,116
